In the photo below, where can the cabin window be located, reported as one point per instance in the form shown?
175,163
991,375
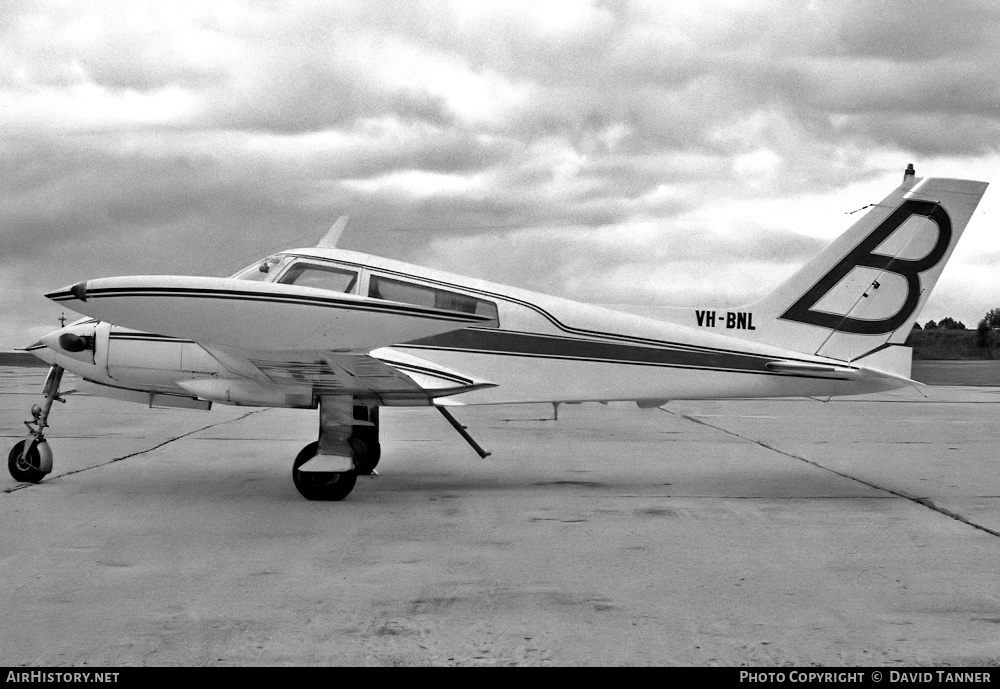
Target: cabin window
320,276
421,295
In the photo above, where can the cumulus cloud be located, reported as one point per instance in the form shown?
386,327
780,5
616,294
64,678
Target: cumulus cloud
629,150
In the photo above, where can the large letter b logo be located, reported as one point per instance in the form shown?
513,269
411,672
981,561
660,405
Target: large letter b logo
802,310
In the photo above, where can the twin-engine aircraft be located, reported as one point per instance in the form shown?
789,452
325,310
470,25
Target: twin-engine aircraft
348,333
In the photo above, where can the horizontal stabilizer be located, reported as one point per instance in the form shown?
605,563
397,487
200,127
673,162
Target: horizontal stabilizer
891,361
796,368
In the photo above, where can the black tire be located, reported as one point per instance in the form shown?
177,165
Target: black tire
315,485
26,471
367,452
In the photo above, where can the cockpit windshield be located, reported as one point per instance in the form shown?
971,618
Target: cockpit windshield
261,271
320,276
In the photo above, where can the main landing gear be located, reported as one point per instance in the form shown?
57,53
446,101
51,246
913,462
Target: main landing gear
31,459
348,447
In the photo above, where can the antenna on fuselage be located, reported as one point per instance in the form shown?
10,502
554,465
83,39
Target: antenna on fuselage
331,238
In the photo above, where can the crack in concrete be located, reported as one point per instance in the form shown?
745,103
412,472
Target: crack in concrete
22,486
924,502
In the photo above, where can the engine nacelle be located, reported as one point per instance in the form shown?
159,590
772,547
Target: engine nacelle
78,341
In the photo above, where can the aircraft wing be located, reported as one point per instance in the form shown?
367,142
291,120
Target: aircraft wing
281,378
286,343
262,316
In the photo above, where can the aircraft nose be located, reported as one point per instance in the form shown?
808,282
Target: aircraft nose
76,341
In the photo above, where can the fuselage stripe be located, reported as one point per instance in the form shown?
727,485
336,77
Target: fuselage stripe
510,343
504,343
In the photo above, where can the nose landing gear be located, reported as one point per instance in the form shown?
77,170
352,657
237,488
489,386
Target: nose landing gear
31,459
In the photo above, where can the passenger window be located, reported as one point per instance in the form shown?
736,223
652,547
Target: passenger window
320,277
421,295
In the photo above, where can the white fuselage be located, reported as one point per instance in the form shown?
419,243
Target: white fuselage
536,348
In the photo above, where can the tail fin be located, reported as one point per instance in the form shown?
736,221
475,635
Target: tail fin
864,292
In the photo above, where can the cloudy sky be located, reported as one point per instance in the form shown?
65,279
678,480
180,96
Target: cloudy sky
638,153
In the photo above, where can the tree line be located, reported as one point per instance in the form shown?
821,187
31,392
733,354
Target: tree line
991,321
947,323
987,335
933,341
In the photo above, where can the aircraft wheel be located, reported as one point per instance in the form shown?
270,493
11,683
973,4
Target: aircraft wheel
29,469
316,485
367,452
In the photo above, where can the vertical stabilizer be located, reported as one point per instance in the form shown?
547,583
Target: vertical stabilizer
865,291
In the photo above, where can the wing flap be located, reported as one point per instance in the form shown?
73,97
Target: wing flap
295,378
427,374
